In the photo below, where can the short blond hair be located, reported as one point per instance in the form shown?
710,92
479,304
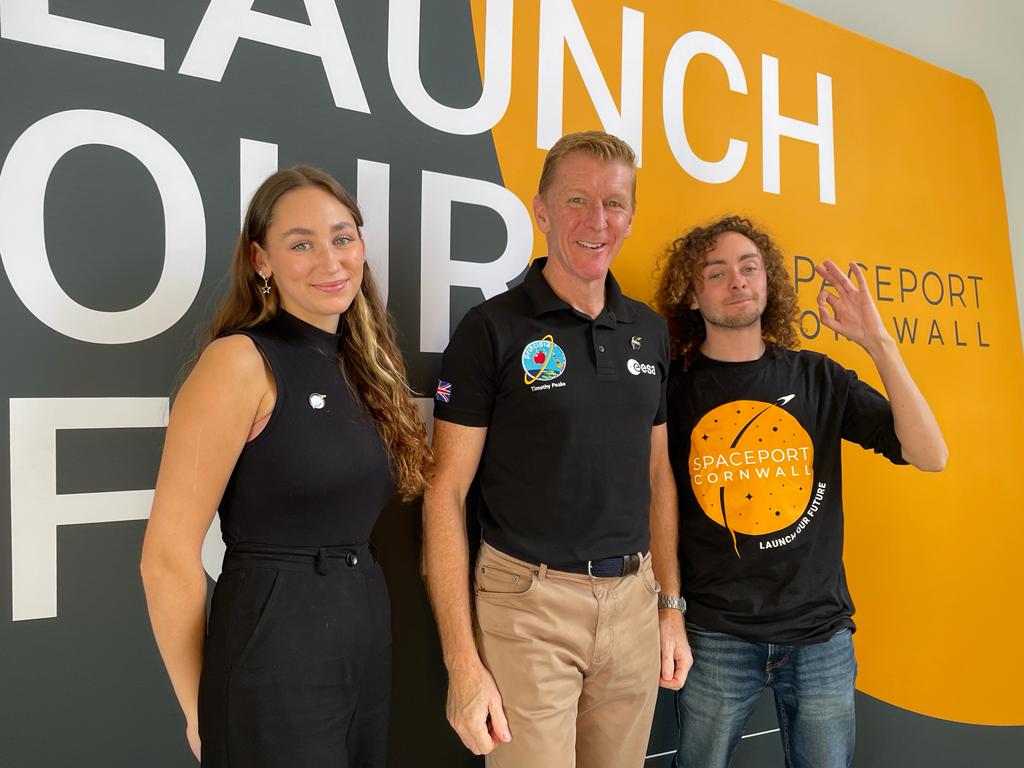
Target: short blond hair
597,144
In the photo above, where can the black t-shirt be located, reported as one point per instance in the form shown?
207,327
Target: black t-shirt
756,452
569,403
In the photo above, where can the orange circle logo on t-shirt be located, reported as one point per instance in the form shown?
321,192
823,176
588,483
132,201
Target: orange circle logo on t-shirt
751,466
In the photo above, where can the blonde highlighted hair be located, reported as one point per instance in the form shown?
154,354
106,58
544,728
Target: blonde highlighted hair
369,356
598,144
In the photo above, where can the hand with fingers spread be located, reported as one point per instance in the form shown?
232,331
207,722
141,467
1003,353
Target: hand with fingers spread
474,707
853,312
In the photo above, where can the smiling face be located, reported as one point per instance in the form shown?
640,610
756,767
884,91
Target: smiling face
732,291
586,213
314,254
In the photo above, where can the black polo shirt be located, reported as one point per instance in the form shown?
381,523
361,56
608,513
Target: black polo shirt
569,403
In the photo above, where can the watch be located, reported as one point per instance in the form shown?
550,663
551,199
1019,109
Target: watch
672,601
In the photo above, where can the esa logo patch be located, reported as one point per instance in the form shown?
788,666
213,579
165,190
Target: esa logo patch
637,368
543,360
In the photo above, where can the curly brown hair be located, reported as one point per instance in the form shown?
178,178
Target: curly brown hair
681,268
369,357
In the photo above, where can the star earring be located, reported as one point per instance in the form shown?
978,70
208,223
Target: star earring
265,288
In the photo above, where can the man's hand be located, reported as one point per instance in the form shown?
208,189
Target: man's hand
474,707
676,658
853,312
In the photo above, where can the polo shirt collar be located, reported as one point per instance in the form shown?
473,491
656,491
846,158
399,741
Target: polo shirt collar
544,299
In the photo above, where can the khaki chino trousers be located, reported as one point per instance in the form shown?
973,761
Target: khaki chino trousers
576,659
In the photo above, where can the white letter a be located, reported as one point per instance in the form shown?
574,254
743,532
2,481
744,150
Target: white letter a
226,21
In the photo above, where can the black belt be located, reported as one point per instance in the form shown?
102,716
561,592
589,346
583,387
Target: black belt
320,559
622,565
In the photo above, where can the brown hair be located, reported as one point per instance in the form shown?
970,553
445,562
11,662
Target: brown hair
369,356
681,270
597,144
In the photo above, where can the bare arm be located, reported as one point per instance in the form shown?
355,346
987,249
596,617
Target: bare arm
474,704
676,659
855,316
209,423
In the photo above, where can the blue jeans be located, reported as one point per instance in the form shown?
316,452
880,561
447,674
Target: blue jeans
813,687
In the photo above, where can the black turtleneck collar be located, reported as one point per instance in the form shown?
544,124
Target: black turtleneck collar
324,340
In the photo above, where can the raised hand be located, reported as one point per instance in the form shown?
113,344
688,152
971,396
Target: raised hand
850,311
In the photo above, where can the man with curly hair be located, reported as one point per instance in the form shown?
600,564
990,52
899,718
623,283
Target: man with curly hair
755,433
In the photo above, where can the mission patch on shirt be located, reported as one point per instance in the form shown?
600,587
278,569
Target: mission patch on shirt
569,403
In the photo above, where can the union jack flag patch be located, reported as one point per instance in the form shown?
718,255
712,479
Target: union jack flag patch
444,391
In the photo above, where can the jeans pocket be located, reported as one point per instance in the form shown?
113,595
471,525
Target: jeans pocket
647,574
497,583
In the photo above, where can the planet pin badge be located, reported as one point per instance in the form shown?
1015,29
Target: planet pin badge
317,401
635,342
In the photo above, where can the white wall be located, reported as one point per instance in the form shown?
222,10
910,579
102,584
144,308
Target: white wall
978,39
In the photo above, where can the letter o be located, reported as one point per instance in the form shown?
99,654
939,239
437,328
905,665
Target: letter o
817,324
924,288
23,181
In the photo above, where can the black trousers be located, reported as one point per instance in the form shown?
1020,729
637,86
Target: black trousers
297,660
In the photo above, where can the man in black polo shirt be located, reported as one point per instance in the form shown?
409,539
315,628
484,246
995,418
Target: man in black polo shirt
552,396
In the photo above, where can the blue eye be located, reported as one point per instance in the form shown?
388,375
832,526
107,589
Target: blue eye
344,240
303,246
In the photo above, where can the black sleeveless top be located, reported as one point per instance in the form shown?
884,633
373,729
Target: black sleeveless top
318,473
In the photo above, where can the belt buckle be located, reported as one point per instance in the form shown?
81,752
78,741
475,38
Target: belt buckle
631,564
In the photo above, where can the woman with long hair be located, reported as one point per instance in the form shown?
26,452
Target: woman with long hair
297,424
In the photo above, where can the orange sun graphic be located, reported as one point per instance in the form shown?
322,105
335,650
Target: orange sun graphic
751,467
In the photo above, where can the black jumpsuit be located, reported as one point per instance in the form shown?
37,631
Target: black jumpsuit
297,659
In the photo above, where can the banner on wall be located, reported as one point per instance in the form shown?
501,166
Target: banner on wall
131,138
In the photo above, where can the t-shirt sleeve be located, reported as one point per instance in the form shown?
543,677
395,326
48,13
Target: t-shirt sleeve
867,416
465,392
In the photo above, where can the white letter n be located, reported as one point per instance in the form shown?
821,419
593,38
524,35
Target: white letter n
560,26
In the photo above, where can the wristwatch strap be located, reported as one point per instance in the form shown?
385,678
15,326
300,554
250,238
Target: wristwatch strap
672,601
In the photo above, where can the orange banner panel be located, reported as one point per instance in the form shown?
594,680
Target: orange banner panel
917,197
